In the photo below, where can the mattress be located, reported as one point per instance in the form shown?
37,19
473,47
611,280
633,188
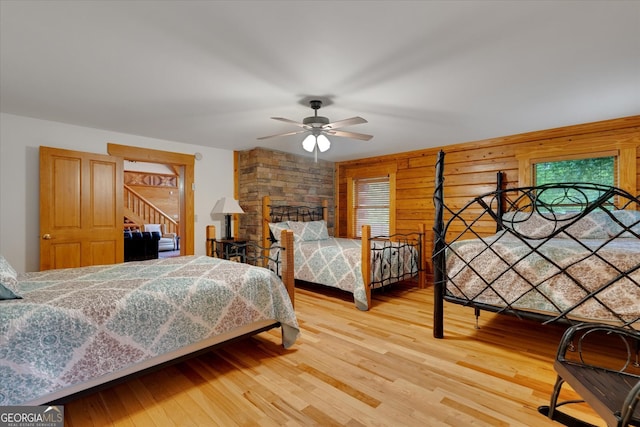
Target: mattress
590,279
74,326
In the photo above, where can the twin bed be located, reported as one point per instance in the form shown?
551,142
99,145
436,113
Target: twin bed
557,253
78,329
357,266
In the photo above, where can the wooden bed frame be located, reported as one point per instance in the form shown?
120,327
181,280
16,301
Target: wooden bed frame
476,219
277,213
184,353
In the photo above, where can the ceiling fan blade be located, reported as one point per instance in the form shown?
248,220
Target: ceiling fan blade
283,134
345,122
345,134
293,122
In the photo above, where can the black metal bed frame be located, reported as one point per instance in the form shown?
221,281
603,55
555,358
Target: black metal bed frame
280,213
395,244
545,200
254,254
395,247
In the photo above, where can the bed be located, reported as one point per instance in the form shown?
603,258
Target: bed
556,253
81,329
344,263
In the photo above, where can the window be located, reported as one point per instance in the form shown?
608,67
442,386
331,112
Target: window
371,205
622,148
597,170
594,170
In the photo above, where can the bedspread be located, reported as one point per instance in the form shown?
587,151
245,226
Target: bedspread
73,325
557,277
337,262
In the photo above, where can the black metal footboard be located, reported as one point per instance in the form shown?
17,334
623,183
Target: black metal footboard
254,254
395,258
561,253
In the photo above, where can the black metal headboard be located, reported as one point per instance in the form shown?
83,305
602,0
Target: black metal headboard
296,213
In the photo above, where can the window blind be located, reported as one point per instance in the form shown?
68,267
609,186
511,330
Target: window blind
371,203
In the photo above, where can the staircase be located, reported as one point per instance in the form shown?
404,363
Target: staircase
139,211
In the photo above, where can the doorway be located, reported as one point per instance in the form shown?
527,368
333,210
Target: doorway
183,164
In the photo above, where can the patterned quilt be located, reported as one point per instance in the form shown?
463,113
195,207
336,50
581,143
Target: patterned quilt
337,262
73,325
502,271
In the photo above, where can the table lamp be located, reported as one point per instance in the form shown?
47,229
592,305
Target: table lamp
227,206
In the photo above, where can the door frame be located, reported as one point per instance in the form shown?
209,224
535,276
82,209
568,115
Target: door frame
183,162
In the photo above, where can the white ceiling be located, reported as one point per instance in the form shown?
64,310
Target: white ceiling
423,73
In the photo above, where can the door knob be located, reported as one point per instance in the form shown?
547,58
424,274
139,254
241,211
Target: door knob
46,236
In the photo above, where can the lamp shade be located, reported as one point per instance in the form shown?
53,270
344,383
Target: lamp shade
323,143
227,205
309,143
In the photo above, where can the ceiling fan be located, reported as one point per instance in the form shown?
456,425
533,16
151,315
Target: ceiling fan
319,127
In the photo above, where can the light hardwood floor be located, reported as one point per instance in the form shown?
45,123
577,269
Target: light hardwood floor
352,368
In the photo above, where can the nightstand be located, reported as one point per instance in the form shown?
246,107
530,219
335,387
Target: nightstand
231,249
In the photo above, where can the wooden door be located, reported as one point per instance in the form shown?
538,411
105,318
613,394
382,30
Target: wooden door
81,209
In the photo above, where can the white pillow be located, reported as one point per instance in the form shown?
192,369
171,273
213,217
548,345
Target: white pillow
627,217
308,231
592,226
8,280
277,228
535,225
528,224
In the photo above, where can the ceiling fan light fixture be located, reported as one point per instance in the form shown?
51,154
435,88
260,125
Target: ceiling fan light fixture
309,143
323,143
318,127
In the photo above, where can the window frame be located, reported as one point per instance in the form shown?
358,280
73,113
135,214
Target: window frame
590,195
624,150
356,206
376,172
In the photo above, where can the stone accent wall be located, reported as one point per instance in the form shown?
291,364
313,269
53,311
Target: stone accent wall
287,179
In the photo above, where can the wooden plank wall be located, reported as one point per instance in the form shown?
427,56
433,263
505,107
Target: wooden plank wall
471,168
